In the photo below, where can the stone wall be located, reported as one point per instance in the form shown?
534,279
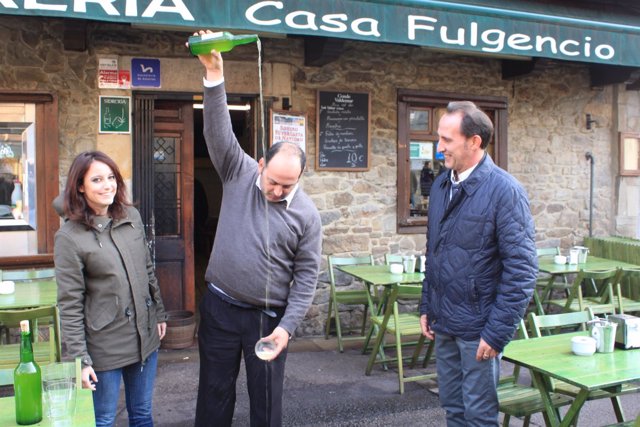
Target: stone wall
547,138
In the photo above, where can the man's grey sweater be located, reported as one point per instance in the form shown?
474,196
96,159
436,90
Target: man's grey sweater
265,254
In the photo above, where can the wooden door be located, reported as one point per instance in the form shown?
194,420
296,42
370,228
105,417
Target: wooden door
163,186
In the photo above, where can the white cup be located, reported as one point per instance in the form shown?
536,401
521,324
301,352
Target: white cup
560,259
583,346
396,268
7,287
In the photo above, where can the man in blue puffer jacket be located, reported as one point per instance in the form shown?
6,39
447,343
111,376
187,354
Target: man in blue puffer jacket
481,267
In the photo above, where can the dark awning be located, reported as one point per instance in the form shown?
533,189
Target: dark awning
510,28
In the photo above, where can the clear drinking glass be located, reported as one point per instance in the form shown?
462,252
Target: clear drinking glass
59,393
265,349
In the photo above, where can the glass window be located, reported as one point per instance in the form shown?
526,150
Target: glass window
418,160
28,178
17,167
419,119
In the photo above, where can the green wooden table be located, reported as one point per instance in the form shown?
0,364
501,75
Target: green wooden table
551,356
553,269
37,293
84,416
380,276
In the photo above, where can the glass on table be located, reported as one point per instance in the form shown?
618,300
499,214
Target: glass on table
59,392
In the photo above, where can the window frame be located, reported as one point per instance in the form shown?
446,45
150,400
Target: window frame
47,177
410,99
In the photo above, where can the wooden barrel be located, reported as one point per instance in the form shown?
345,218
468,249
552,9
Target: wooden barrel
181,327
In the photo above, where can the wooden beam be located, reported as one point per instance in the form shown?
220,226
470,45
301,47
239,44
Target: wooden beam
512,69
319,51
603,74
75,35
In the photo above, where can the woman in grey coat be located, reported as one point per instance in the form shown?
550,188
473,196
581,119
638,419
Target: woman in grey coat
110,305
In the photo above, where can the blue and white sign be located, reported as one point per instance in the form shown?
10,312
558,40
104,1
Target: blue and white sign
145,72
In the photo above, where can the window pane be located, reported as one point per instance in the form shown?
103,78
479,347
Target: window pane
18,179
422,174
419,119
437,115
166,164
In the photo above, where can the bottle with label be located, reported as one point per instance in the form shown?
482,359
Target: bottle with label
16,200
221,41
27,381
16,194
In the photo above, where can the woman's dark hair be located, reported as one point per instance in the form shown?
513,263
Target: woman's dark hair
75,204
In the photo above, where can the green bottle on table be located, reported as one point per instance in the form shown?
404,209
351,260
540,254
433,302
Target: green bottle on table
27,381
221,41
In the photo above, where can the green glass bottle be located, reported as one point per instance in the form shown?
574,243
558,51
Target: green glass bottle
221,41
27,381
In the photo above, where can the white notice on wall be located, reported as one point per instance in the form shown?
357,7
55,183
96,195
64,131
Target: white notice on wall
108,73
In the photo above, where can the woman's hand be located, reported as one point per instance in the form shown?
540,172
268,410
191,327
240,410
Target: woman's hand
162,329
89,378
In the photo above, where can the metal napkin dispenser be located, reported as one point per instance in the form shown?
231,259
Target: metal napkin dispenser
628,330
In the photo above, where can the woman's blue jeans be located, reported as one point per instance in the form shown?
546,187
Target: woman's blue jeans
138,389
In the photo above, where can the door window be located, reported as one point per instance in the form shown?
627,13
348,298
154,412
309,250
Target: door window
166,183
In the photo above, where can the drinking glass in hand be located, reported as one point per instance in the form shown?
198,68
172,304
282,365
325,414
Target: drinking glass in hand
265,349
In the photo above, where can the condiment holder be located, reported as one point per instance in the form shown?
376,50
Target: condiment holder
409,263
573,256
604,334
582,253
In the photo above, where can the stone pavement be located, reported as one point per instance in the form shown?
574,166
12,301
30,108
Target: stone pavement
326,388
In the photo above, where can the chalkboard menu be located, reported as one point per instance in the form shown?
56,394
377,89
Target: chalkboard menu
342,134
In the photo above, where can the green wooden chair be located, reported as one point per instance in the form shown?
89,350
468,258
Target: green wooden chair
390,259
630,423
569,322
26,275
522,400
544,292
360,296
400,325
44,351
625,303
603,302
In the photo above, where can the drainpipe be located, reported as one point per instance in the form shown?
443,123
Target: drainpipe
589,157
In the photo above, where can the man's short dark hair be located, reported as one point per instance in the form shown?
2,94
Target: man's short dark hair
474,121
290,148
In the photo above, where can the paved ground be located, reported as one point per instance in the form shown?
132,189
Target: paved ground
326,388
